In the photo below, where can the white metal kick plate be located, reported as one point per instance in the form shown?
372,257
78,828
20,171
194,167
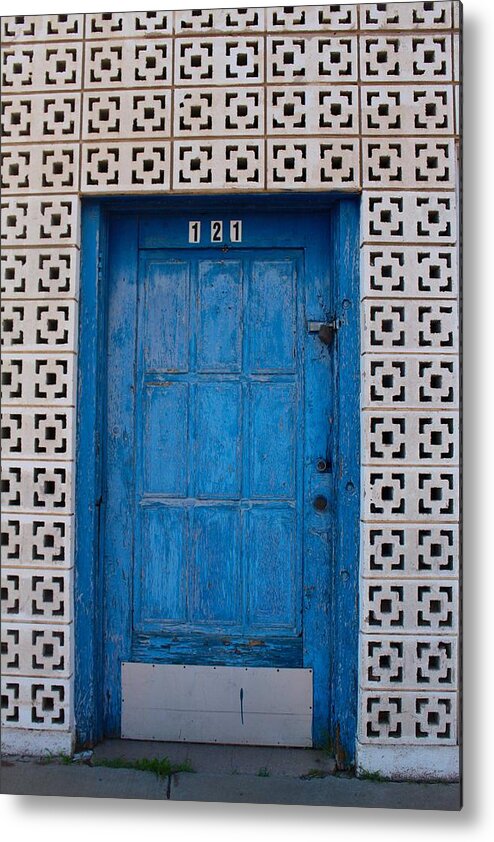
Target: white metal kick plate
203,704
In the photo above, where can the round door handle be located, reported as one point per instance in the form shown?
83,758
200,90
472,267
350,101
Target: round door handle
320,503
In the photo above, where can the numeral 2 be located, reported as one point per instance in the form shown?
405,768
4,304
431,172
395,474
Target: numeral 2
216,231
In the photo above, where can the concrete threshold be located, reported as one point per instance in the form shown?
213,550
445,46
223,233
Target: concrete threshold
223,759
228,774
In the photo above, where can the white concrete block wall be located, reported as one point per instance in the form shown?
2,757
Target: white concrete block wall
360,98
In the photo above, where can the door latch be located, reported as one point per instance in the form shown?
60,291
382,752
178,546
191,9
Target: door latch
324,330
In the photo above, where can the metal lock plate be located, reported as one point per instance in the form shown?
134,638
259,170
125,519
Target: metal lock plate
325,330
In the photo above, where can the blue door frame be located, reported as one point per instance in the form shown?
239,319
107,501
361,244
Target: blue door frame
343,215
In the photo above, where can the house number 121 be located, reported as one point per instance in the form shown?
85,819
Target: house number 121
216,231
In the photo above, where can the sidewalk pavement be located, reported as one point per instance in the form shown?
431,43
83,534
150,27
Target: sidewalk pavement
243,774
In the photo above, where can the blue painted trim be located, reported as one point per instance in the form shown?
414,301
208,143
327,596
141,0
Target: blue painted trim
287,201
88,585
344,648
87,602
117,510
317,430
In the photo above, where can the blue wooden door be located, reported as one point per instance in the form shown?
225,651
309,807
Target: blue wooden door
218,490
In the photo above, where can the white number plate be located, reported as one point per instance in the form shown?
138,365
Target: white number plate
216,231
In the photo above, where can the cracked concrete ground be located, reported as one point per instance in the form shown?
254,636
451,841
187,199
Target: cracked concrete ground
243,774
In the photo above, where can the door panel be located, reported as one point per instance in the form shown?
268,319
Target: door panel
272,316
163,566
273,572
164,332
273,440
219,311
214,575
164,448
217,445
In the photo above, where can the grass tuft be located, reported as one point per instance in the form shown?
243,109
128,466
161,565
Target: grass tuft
162,767
364,775
46,759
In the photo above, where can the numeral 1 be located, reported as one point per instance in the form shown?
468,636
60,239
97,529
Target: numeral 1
236,230
194,232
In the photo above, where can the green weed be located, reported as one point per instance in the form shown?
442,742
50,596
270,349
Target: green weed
364,775
162,768
65,759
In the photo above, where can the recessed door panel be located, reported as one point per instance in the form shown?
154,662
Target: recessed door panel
273,439
164,326
216,467
273,568
214,573
219,315
272,311
164,438
163,565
